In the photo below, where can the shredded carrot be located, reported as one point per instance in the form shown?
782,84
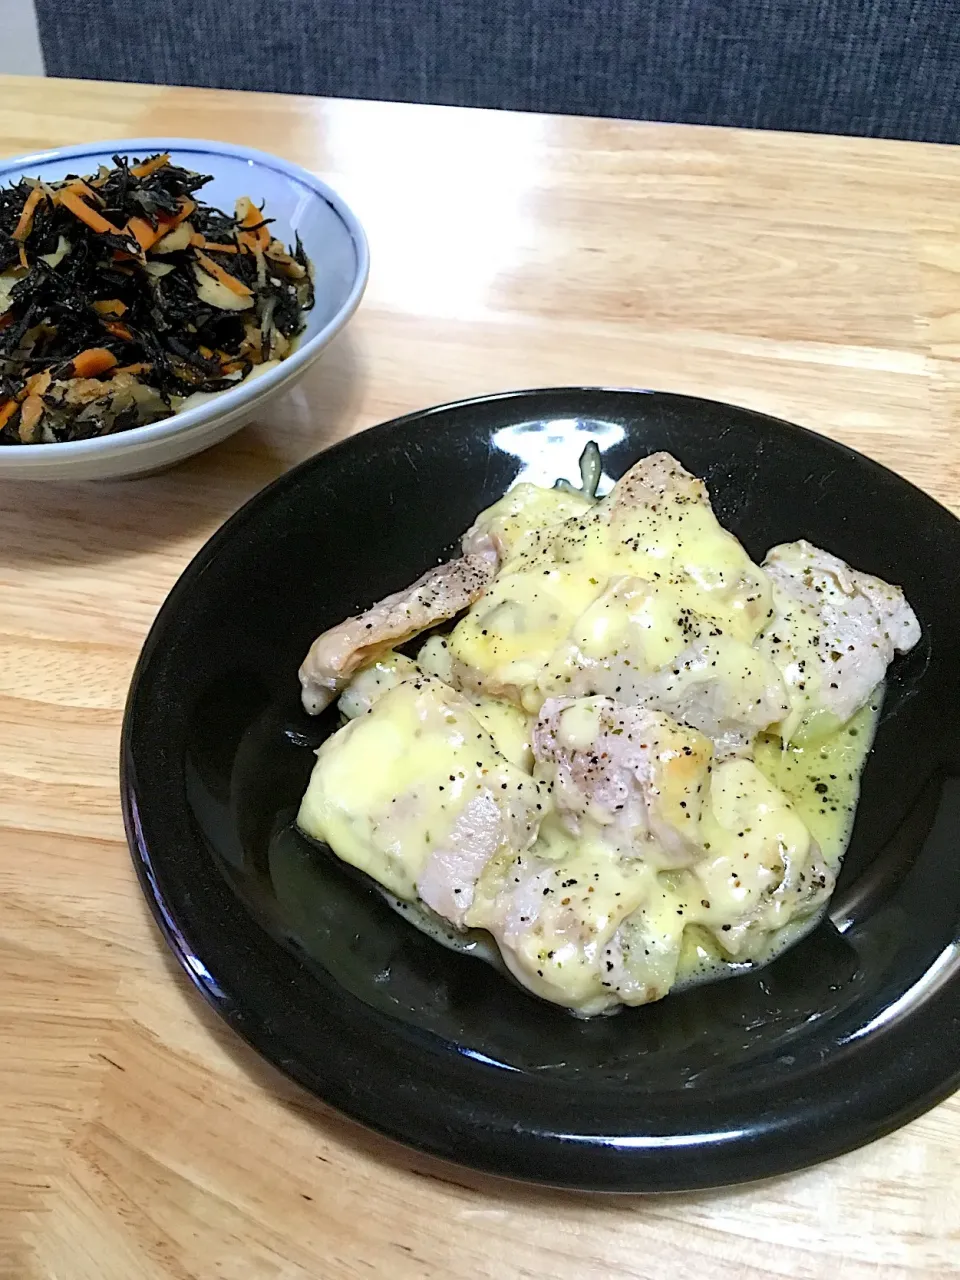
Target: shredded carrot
232,283
118,330
7,409
92,362
150,166
130,368
212,246
6,319
187,206
23,256
31,405
145,235
110,307
80,188
253,240
76,205
25,224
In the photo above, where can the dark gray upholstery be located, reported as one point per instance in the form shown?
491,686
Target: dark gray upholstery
879,67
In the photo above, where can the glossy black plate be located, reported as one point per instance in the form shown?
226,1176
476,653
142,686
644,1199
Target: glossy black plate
853,1032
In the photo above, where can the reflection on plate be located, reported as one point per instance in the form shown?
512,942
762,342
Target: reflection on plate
850,1033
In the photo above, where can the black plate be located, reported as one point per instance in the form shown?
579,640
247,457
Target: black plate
853,1032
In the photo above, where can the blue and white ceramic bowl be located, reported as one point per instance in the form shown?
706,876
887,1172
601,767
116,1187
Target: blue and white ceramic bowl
300,204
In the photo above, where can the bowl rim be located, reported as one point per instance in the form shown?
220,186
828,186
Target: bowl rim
258,386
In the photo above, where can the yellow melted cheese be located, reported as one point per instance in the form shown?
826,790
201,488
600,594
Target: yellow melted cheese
557,563
822,777
574,919
797,653
578,898
388,787
633,631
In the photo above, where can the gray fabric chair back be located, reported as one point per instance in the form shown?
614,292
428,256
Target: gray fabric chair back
885,68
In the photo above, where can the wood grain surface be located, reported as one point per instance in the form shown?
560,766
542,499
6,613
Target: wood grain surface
815,278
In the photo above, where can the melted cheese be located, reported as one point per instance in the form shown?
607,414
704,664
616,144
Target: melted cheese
523,517
643,645
370,684
794,648
822,777
590,600
506,724
556,569
751,834
554,915
584,902
388,788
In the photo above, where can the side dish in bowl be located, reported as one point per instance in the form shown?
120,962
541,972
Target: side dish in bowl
625,757
155,295
123,295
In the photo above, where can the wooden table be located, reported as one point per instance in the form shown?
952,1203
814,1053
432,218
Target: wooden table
814,278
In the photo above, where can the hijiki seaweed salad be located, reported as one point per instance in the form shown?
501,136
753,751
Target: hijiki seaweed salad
122,293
